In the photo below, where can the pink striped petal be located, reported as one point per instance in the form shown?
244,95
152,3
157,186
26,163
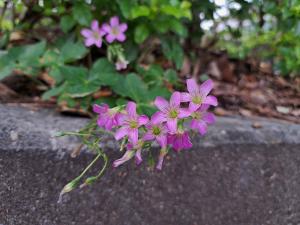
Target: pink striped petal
172,125
185,97
142,120
131,109
193,107
100,108
148,136
162,140
138,157
183,113
204,107
122,132
127,156
211,100
202,127
98,43
194,124
158,117
161,103
175,99
192,86
209,118
133,136
206,87
120,118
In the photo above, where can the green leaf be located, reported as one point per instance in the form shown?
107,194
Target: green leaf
141,33
103,72
136,88
82,13
149,110
53,92
171,76
126,6
6,66
72,51
173,51
158,91
139,11
67,23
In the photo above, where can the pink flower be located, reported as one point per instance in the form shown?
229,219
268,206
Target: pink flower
157,131
127,156
180,140
94,35
115,30
201,118
107,116
198,95
121,64
162,154
169,112
130,122
138,152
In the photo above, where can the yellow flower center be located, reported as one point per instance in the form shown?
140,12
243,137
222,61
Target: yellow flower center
197,99
156,130
133,124
173,113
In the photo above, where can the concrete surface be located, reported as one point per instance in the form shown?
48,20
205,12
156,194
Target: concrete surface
235,175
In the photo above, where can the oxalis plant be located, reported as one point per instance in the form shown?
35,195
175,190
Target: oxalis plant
170,127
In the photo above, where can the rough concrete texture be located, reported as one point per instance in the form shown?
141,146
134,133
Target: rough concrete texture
235,175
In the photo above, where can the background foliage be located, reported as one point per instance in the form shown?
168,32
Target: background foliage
39,37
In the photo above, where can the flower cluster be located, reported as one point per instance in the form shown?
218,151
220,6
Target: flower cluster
112,32
168,127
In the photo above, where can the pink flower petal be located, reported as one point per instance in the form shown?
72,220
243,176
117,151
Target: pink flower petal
98,43
162,140
131,109
185,97
120,118
204,107
183,113
121,37
209,118
109,124
175,99
138,157
123,27
206,87
172,125
211,100
89,42
142,120
106,28
194,124
127,156
100,108
186,142
133,136
193,107
86,33
122,132
95,25
148,136
192,86
110,38
202,127
161,103
158,117
114,21
160,159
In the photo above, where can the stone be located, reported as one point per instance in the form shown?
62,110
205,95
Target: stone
235,175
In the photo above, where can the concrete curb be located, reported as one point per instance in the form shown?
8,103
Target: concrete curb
234,175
